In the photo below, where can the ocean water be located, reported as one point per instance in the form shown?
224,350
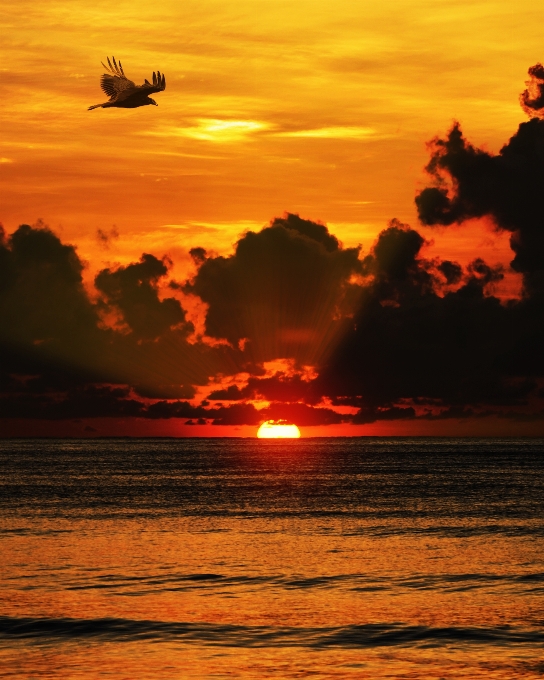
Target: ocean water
237,558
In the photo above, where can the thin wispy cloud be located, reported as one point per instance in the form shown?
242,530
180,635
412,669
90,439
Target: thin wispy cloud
213,130
334,132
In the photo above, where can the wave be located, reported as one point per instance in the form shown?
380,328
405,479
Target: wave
26,531
355,636
532,583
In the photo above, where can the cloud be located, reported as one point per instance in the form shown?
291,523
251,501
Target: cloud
54,343
452,271
302,414
468,182
335,132
282,293
214,130
310,331
279,387
89,401
133,290
44,308
105,238
532,99
414,339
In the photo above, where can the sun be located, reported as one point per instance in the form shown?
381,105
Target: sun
278,429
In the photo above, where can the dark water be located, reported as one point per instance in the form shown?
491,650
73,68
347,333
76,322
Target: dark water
322,558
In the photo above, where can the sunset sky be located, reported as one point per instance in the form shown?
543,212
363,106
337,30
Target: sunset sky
319,109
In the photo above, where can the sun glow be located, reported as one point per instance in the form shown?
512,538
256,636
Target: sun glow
278,429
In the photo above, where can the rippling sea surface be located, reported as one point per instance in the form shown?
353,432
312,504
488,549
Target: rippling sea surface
238,558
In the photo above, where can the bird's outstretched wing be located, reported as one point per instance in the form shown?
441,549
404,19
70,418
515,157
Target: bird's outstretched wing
158,85
117,83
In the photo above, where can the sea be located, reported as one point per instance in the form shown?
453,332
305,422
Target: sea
246,558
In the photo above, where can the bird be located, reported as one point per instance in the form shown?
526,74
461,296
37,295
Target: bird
125,94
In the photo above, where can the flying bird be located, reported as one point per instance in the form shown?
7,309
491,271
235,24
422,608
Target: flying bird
125,94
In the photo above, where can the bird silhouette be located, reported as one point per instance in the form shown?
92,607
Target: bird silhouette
125,94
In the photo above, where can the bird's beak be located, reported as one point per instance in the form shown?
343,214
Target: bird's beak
155,103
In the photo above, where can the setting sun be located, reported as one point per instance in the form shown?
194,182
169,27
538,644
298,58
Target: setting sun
278,429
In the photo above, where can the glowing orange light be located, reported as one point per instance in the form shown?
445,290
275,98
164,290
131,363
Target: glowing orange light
278,429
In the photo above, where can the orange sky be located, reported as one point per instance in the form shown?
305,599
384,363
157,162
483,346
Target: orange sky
314,107
320,108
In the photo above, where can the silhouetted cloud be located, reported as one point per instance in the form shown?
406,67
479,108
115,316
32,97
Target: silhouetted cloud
104,238
469,182
281,291
279,387
49,335
532,99
133,290
408,341
55,347
42,298
452,271
426,340
302,414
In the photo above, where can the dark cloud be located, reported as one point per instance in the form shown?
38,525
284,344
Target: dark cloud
236,414
279,387
172,409
302,414
199,255
42,298
394,264
280,292
49,336
532,99
133,290
469,182
452,271
199,421
54,347
164,391
105,238
410,340
90,401
371,415
426,340
394,254
485,274
230,393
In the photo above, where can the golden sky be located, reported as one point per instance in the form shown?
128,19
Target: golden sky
316,107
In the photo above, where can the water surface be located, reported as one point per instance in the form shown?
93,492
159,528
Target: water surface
321,558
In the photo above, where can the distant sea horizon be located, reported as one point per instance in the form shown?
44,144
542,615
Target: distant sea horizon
305,437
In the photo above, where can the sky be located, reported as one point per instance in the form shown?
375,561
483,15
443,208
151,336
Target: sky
239,237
